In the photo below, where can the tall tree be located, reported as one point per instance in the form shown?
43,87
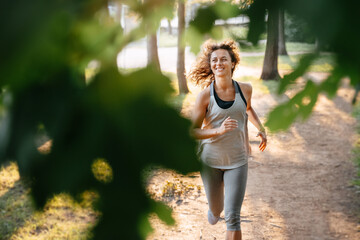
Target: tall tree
282,45
118,13
169,26
183,88
270,65
152,51
152,48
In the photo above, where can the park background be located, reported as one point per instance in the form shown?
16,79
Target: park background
94,115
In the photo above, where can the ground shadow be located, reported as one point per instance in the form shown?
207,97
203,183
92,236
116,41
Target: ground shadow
15,207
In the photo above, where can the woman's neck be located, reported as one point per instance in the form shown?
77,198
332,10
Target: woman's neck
223,82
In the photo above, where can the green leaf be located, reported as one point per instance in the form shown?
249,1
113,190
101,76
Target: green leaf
226,10
331,84
256,14
281,117
145,226
301,105
306,99
194,39
204,20
300,70
163,212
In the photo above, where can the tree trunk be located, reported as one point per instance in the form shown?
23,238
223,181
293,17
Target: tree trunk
282,46
169,26
270,68
152,48
183,88
118,12
318,45
152,51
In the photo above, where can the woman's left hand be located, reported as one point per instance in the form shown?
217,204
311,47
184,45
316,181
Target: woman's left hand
263,143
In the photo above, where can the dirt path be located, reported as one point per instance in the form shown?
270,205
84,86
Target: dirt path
299,188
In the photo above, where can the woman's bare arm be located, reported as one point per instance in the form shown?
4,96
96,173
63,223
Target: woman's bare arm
252,115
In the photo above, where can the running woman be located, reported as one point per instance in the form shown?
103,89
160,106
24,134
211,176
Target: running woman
219,119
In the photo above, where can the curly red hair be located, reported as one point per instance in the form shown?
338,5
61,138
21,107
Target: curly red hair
201,73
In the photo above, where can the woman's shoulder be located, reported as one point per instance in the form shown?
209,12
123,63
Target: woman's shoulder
205,92
245,87
204,96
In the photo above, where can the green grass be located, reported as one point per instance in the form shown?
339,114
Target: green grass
290,47
15,204
324,63
62,217
356,149
264,87
300,47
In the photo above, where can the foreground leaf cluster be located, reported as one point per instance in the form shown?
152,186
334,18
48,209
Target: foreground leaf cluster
122,119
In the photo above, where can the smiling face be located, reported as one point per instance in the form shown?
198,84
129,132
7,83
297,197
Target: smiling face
220,63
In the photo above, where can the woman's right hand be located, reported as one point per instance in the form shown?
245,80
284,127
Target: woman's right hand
228,125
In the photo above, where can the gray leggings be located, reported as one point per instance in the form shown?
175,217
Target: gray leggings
234,182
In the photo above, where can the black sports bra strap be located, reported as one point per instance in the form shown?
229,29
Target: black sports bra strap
241,94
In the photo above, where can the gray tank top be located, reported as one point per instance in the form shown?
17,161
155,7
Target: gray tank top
229,150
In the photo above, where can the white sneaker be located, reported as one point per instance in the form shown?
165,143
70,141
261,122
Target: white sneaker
211,218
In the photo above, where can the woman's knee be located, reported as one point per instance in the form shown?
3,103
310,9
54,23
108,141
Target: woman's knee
232,219
216,210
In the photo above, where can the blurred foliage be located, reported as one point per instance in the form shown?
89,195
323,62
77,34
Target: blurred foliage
204,22
297,29
332,22
124,120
